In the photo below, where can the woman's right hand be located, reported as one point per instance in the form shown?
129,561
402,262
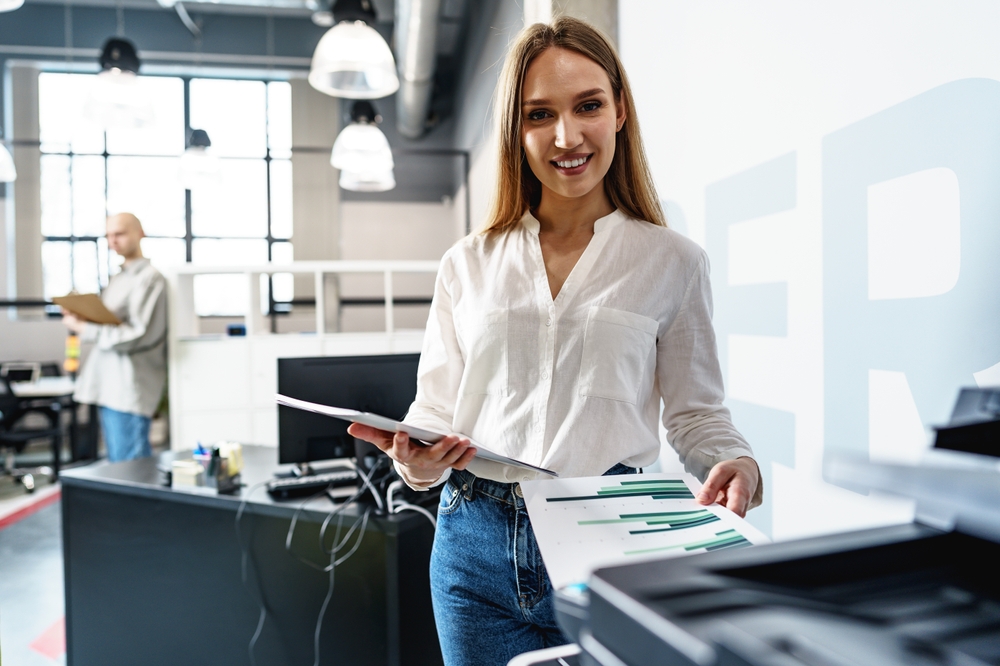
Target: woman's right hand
424,464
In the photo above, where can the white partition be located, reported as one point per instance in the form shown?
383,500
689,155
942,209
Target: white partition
222,387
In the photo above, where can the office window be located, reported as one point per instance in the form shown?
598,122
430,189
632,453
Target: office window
87,174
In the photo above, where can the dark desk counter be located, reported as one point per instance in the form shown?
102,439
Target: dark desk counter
156,575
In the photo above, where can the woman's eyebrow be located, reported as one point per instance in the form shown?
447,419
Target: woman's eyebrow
543,102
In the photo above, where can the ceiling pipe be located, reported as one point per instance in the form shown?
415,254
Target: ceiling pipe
416,38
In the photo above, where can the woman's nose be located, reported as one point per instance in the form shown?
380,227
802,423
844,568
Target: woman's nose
567,132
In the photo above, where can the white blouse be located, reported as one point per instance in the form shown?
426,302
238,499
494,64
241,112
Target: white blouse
574,383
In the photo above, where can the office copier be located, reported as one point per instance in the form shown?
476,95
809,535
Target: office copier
927,593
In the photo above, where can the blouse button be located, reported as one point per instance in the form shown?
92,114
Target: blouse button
548,322
545,375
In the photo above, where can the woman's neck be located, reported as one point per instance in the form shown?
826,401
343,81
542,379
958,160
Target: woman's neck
562,215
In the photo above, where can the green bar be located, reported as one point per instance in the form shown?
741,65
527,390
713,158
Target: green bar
677,516
675,482
727,534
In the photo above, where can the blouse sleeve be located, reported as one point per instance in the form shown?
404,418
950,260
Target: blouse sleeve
698,426
439,373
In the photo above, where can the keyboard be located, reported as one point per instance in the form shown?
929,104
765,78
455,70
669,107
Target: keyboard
311,484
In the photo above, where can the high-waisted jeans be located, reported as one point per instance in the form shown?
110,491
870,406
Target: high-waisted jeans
492,596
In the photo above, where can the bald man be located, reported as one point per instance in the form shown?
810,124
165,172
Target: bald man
126,370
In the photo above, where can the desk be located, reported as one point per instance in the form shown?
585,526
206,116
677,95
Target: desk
54,392
152,576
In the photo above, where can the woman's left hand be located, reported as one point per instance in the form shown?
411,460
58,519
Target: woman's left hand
732,484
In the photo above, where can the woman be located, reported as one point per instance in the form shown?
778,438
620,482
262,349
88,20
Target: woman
553,337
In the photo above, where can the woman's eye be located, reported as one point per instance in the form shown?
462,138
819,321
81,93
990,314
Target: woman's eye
537,115
590,106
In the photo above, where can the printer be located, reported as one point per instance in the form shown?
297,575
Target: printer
927,593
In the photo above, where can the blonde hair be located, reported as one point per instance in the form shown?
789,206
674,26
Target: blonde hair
628,182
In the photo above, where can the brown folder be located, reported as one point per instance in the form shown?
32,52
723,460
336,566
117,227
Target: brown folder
87,306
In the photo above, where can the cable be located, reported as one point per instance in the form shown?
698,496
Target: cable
333,568
244,557
367,481
406,506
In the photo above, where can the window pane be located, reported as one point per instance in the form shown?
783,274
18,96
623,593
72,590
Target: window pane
164,252
55,195
220,295
281,253
61,124
234,115
281,198
279,118
237,207
228,251
89,208
85,273
56,265
165,135
104,261
284,283
149,188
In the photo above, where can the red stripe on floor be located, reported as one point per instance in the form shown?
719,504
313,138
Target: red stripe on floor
52,642
25,511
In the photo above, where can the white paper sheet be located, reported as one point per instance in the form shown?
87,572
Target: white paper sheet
586,523
390,425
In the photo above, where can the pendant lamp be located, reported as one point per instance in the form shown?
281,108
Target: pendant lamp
352,60
199,167
116,100
362,152
10,5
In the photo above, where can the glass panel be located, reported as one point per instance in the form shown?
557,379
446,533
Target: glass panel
89,208
104,261
164,252
228,251
55,195
237,207
283,283
279,118
220,295
61,123
149,188
165,135
234,115
281,198
85,273
56,268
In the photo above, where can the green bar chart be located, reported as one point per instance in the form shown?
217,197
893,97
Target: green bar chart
587,523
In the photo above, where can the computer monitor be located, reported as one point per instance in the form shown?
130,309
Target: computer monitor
384,385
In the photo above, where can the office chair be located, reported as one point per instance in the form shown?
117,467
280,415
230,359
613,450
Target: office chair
18,427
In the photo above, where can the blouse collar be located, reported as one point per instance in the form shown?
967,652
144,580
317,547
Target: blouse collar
606,223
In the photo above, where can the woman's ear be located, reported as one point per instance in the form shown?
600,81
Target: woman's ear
621,113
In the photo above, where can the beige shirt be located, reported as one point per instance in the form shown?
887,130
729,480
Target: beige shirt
576,383
127,368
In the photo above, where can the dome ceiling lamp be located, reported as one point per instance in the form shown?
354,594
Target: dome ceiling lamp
362,152
10,5
199,167
352,60
116,100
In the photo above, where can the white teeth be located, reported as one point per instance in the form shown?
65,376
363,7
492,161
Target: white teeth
569,164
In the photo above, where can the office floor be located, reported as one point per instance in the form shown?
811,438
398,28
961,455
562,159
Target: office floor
31,583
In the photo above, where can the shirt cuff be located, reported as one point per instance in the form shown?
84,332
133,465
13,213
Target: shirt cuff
420,486
90,332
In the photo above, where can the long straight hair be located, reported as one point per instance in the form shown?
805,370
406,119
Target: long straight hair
628,183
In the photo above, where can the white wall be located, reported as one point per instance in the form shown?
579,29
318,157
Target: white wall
839,160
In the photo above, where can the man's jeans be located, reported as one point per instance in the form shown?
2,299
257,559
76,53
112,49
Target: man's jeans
126,436
492,596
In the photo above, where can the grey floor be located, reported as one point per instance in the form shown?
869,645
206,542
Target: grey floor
31,585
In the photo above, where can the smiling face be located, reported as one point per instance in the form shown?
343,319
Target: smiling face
569,121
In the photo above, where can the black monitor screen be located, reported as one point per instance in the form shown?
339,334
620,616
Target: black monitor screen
384,385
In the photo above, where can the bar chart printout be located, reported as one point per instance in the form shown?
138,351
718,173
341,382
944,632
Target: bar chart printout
587,523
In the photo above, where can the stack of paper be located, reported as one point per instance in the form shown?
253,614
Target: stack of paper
586,523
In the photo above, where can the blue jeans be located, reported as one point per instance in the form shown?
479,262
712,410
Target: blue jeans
492,596
126,436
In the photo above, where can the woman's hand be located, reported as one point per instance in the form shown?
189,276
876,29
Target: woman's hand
732,484
424,464
73,323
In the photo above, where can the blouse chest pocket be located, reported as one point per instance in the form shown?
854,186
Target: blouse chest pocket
485,338
617,348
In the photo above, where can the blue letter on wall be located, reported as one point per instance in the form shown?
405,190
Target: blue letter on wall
752,309
938,341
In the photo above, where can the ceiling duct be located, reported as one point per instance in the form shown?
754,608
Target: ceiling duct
416,38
